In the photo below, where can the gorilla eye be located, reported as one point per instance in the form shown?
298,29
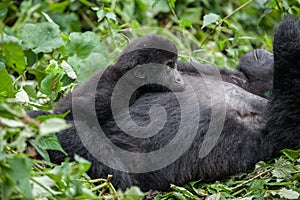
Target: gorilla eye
170,64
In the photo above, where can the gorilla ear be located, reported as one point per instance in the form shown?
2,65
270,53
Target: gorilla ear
139,72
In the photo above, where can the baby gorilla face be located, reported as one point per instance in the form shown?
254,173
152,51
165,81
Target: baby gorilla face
257,66
160,74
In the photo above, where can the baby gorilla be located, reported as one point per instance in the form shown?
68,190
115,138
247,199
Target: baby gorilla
149,63
254,72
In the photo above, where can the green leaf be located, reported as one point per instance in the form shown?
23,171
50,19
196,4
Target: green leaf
90,65
30,90
41,187
42,37
210,19
22,96
50,83
172,3
133,193
83,162
40,149
282,168
3,10
100,15
59,6
19,174
87,54
14,56
43,118
257,185
183,191
185,23
111,15
291,154
82,44
48,142
287,194
11,123
6,86
53,125
51,142
9,111
155,2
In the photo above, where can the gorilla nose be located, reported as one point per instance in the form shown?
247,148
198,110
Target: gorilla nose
179,80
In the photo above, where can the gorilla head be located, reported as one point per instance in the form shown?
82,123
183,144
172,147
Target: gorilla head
158,66
251,128
259,77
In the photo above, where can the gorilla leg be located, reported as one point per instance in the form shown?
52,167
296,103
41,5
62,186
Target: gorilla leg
284,114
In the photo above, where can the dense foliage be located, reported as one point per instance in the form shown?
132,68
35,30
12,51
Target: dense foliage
48,47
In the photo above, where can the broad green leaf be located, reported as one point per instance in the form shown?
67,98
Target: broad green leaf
282,168
51,142
287,194
42,37
87,54
90,65
82,44
19,175
47,142
257,185
41,187
53,125
14,56
291,154
40,149
210,19
6,85
133,193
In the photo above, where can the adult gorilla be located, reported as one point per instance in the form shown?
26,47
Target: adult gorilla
254,128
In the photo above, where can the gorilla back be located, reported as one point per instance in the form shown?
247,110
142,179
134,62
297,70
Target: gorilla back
225,132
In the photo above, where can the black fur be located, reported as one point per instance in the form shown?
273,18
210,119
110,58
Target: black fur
255,129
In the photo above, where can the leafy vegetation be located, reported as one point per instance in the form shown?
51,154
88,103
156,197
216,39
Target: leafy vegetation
48,47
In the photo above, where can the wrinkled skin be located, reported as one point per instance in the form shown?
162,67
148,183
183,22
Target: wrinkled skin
255,128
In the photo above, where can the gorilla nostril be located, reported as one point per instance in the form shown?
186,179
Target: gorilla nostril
179,81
